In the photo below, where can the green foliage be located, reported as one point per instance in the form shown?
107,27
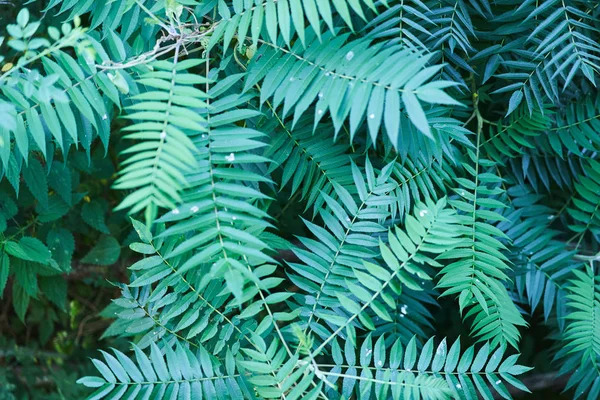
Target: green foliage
158,164
298,199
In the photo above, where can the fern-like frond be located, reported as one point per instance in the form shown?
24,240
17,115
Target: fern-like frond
585,209
576,129
581,349
419,180
342,83
564,30
558,49
210,249
170,372
546,171
434,373
412,315
327,262
374,287
110,17
525,77
66,103
276,376
541,261
156,166
407,22
456,28
517,134
275,19
478,270
310,165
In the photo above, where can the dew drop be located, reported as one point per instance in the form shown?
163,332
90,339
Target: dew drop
163,135
175,211
292,79
347,219
423,212
372,116
194,209
550,216
320,95
462,193
349,55
368,352
234,218
404,309
498,382
319,112
458,386
379,363
230,157
328,73
105,117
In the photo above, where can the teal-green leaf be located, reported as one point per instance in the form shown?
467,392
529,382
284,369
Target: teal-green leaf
411,354
20,300
93,215
515,99
375,111
106,251
35,179
61,243
4,271
415,113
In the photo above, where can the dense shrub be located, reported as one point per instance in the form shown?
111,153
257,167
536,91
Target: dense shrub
299,199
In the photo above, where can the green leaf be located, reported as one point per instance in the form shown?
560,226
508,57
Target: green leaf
29,249
55,290
142,231
415,113
93,215
106,251
35,179
20,300
4,271
62,246
515,99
